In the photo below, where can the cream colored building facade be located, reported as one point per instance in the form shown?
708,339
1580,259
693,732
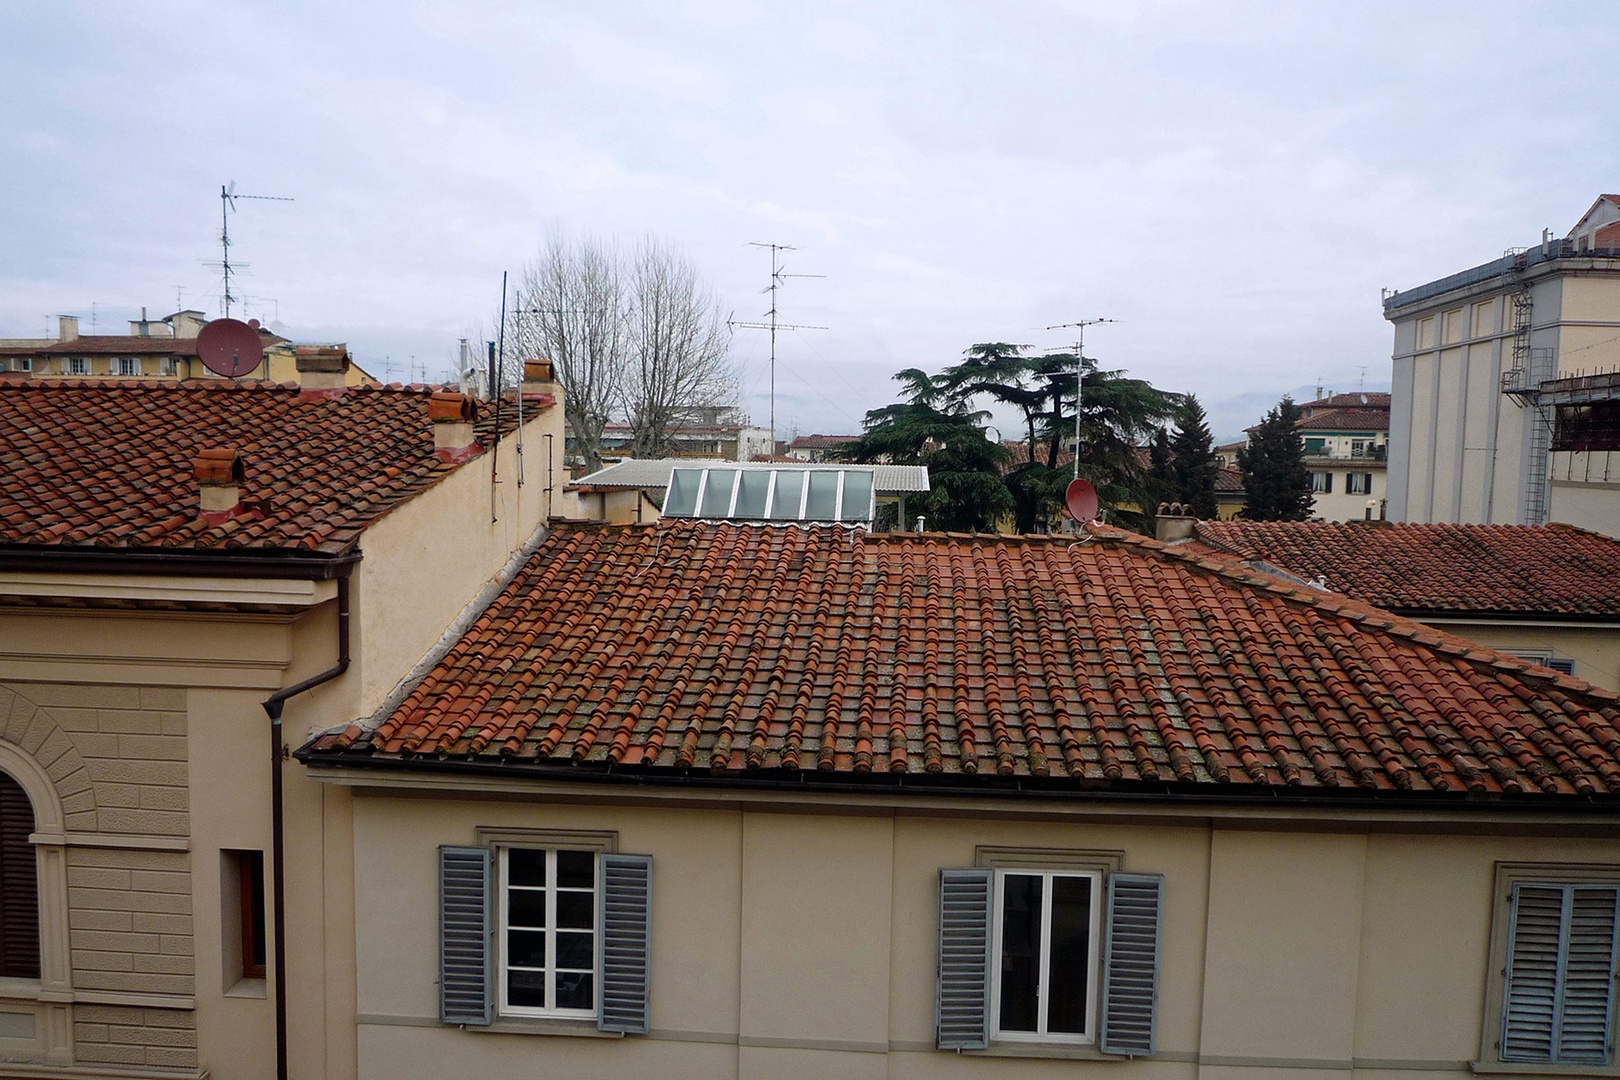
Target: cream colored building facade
795,935
1471,428
132,703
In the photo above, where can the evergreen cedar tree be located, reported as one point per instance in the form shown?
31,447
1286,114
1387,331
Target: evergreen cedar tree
977,484
1275,480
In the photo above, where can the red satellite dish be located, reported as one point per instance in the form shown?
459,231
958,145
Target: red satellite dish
1080,499
229,347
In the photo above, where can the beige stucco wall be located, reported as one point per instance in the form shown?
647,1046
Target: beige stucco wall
793,943
149,728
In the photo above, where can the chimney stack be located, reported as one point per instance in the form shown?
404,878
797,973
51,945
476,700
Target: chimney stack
219,476
67,328
453,415
322,370
539,385
1173,522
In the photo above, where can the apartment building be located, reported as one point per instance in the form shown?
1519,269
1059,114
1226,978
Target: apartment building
1506,385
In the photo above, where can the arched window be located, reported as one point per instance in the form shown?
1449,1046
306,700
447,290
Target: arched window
19,885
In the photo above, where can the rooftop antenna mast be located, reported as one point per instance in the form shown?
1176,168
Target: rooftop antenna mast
1079,374
227,206
777,278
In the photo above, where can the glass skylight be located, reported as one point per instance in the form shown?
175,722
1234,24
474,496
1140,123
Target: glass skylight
777,494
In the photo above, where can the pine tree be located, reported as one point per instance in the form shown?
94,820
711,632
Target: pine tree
1275,479
1192,453
1161,474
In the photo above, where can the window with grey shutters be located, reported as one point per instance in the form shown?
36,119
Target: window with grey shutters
1558,985
464,935
544,933
1020,950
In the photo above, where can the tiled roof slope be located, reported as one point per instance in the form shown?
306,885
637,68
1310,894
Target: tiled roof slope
1347,420
1542,569
109,345
753,650
108,464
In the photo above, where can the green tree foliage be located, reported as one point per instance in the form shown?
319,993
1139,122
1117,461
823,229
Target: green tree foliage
1275,479
1161,474
1117,415
935,428
1192,453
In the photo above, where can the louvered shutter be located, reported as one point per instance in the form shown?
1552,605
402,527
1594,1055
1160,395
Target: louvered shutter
1557,996
464,935
962,992
625,942
1130,998
19,884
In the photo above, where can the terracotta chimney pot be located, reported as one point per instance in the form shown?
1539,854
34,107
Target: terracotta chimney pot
453,415
322,370
219,474
539,383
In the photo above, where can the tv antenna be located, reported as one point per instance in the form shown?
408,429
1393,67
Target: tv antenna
1079,374
778,275
227,206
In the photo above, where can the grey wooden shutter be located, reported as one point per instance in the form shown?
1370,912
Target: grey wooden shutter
464,935
1557,993
962,992
625,942
1130,998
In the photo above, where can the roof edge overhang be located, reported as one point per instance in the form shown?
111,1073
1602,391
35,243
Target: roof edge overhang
182,562
1596,620
449,776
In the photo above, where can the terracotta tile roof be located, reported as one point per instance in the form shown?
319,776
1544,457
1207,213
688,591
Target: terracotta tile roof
1229,481
823,442
1359,399
108,463
1346,420
1432,568
775,652
109,345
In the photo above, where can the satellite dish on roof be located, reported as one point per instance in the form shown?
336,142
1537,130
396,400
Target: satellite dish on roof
229,347
1080,500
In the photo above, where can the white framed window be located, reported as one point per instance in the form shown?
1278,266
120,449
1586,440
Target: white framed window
540,927
546,934
1322,483
129,365
78,365
1358,483
1044,962
1056,948
1552,996
166,366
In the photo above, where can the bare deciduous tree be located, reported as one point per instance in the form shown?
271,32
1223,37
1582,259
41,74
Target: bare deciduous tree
678,349
571,308
639,339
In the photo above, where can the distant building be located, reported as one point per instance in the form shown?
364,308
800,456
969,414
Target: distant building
722,432
1346,450
163,348
819,447
1506,386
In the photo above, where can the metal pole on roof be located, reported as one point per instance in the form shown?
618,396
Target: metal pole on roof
1079,376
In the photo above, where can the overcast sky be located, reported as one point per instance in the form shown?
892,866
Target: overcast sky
1234,182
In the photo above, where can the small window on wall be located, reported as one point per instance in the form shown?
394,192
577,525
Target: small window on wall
1358,483
242,920
129,365
1322,483
78,365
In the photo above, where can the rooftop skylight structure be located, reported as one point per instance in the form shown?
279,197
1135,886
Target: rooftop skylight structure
778,494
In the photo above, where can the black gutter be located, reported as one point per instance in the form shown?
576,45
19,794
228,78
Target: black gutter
966,787
272,707
180,562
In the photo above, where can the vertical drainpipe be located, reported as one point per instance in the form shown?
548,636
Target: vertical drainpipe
272,708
